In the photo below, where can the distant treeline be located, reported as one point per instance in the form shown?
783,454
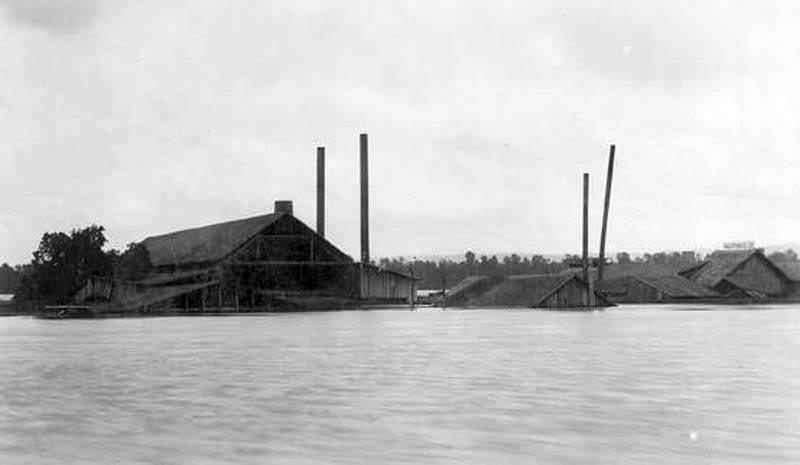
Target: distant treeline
63,261
443,274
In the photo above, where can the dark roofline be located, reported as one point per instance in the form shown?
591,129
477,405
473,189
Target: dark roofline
558,286
387,270
184,231
770,264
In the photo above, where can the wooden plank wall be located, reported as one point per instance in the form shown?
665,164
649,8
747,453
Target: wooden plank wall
377,284
573,294
758,276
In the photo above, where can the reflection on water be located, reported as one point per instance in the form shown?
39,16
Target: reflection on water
629,385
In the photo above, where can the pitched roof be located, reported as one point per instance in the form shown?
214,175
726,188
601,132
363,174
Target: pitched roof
518,290
675,286
521,290
651,269
466,289
207,243
154,295
718,265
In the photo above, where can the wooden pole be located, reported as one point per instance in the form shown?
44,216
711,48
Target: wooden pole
587,277
412,293
609,177
585,238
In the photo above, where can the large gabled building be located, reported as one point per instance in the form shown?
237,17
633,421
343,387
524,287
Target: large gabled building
266,262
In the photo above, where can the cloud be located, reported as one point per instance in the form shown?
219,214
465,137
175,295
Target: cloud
482,117
55,16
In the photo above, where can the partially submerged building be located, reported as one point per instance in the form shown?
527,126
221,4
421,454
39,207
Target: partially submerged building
792,272
266,262
653,288
740,274
525,291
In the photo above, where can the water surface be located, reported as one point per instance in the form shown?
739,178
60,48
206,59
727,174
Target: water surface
628,385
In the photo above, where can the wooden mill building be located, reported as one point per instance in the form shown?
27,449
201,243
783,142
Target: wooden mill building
792,271
740,274
266,262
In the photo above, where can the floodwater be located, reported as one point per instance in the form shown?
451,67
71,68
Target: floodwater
628,385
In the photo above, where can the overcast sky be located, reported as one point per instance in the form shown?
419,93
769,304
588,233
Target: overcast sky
149,116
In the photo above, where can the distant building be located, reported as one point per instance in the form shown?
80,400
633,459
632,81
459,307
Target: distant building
792,271
740,273
525,291
739,245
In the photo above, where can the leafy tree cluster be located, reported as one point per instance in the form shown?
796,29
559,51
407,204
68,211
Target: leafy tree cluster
672,259
786,256
446,273
65,261
9,278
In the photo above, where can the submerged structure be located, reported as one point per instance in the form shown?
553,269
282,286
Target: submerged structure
743,274
525,291
262,263
563,291
653,288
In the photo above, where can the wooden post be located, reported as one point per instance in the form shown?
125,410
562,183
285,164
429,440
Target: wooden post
412,293
585,238
609,176
585,253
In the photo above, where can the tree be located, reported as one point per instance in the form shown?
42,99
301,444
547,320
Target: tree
62,263
470,258
623,258
9,279
134,264
783,257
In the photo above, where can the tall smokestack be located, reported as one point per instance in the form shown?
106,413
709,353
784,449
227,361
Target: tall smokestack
585,253
607,201
364,199
321,191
